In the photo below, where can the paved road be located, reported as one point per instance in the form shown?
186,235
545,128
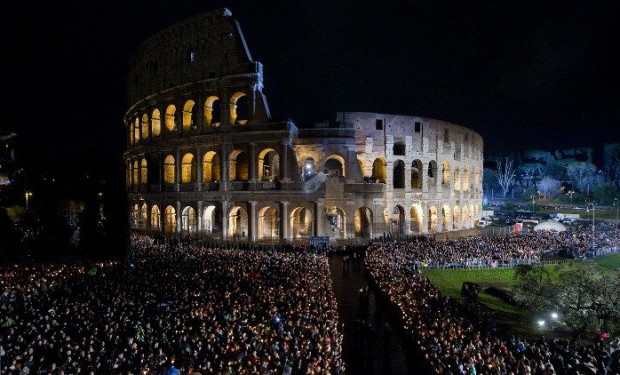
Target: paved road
372,344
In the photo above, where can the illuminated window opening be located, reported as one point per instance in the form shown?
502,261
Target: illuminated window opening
170,121
188,115
155,219
155,123
237,110
212,110
170,224
169,169
211,167
145,126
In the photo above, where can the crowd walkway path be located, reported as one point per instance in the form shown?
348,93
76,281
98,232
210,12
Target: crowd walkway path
372,343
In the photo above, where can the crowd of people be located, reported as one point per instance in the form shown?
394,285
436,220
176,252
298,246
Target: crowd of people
507,250
172,309
456,339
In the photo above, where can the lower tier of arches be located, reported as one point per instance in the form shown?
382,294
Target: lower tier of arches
291,220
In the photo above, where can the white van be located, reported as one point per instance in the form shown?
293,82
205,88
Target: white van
485,222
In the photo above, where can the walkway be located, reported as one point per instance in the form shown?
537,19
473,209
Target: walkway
372,344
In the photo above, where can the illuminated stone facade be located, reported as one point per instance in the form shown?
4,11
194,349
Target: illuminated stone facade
205,160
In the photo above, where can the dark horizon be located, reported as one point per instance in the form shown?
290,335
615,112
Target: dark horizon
524,76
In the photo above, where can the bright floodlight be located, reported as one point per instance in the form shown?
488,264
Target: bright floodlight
554,315
541,323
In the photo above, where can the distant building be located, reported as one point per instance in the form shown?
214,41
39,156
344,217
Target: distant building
7,156
206,160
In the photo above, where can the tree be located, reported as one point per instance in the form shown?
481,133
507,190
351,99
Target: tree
505,174
582,176
605,193
549,187
586,296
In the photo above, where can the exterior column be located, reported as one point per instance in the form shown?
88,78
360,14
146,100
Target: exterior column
424,219
177,171
224,219
179,218
284,161
425,179
200,112
284,224
199,169
252,221
407,226
225,167
315,219
199,218
253,162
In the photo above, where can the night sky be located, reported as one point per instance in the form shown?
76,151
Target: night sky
523,74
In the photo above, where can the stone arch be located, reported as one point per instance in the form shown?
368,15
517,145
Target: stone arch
432,170
144,125
211,167
308,169
135,216
169,170
170,121
155,218
136,130
188,220
456,223
142,216
170,220
239,166
398,181
445,173
268,222
155,123
189,115
416,174
446,217
465,180
212,110
237,222
337,221
397,220
301,222
432,219
334,166
211,219
457,179
379,170
399,148
268,164
188,168
238,110
362,222
144,172
136,173
417,218
465,216
361,163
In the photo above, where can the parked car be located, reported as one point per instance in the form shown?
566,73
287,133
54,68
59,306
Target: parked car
568,221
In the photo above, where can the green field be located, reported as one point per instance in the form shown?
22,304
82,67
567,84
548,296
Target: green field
518,320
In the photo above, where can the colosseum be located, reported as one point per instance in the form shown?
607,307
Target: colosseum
206,160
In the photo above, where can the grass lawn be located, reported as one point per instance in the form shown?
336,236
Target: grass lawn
519,321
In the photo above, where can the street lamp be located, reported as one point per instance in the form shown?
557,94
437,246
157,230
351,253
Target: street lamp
28,194
593,209
571,192
616,204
